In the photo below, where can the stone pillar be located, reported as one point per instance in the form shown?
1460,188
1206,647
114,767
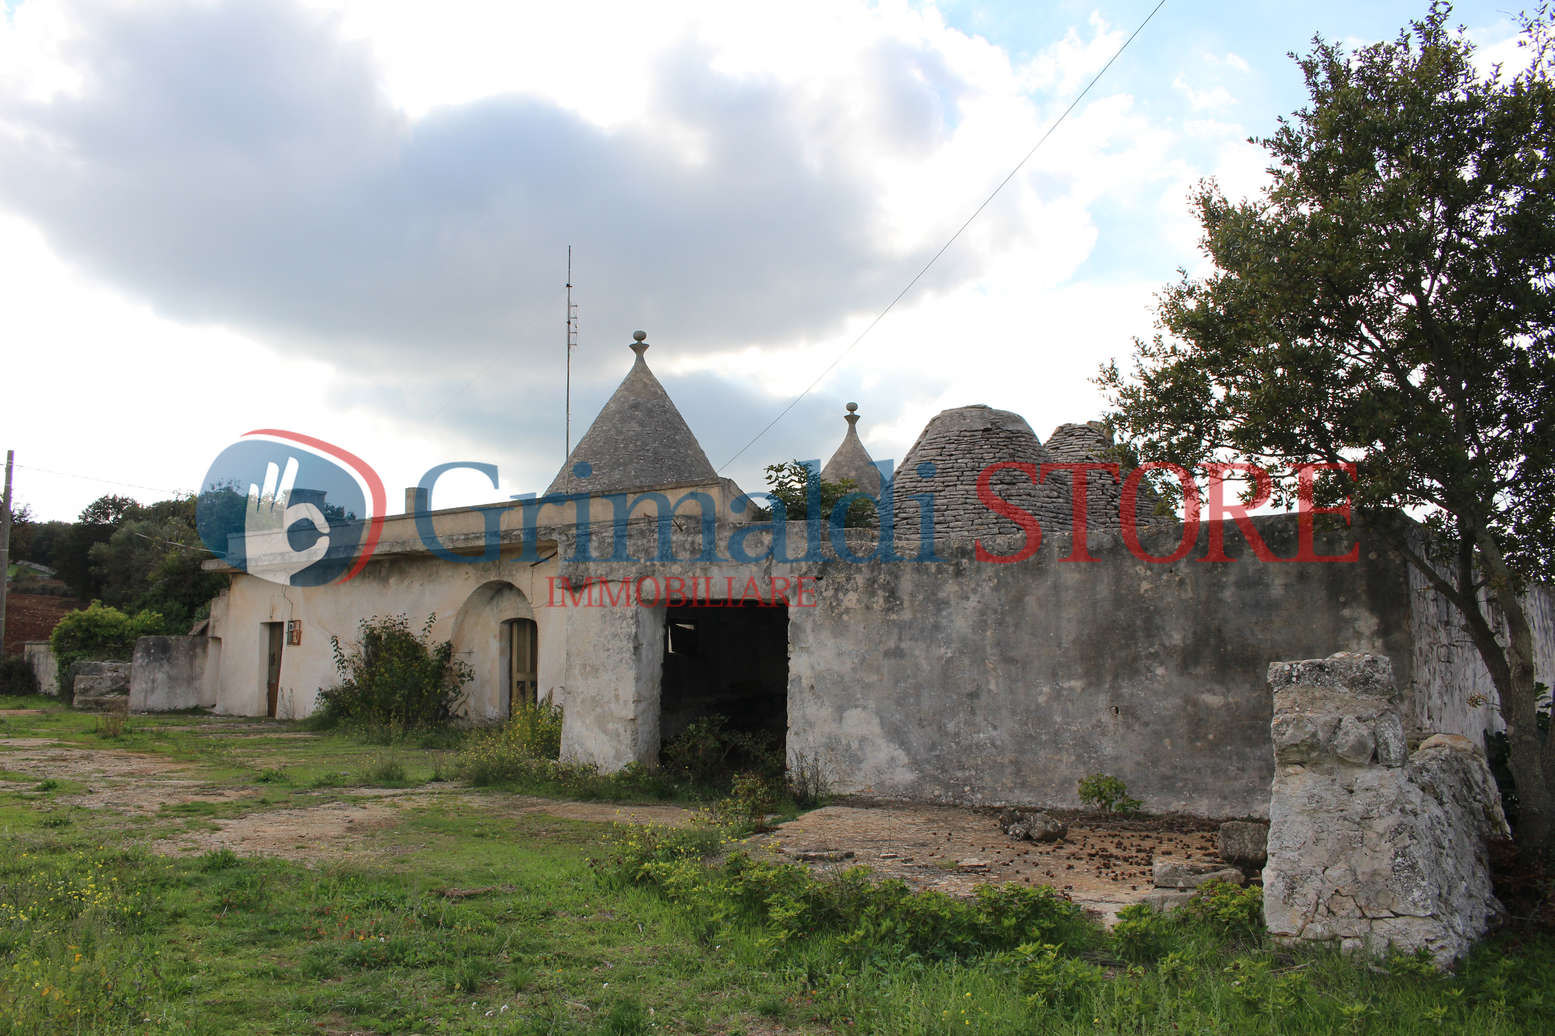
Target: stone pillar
41,657
1372,847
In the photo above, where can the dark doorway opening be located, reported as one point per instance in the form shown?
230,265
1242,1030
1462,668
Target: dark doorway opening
730,662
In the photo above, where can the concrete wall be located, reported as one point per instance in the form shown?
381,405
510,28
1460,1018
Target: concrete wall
41,657
168,673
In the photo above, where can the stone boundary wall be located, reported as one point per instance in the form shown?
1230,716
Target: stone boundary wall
1371,847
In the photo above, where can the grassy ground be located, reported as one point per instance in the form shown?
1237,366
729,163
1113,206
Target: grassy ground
469,917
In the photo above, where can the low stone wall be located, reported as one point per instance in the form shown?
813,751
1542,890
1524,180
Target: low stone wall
168,673
41,657
1370,846
100,686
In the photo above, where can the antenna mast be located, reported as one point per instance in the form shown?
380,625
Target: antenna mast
572,343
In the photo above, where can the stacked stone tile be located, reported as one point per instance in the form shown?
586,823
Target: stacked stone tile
961,443
639,439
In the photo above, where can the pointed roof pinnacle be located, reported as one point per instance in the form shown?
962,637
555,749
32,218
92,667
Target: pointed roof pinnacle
638,440
852,460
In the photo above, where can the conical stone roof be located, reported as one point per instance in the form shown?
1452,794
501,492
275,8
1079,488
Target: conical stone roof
638,440
852,460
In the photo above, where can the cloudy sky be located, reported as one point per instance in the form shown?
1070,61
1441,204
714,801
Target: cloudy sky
339,217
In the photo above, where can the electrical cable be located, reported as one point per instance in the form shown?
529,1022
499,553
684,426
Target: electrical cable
953,237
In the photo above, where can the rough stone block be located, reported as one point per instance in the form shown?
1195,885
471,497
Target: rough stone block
1038,827
1243,844
1163,900
1368,849
167,673
1176,874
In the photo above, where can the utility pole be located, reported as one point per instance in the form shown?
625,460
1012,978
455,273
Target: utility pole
5,544
572,343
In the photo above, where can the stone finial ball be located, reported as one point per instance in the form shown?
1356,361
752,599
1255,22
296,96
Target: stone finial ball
639,336
852,407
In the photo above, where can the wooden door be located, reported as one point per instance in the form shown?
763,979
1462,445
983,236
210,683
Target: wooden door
523,664
277,636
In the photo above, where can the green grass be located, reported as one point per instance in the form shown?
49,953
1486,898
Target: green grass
466,918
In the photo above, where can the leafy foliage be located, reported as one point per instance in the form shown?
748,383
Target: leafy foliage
1107,793
508,752
1389,302
393,675
16,677
795,482
103,634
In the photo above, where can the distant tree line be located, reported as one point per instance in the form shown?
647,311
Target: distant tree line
130,556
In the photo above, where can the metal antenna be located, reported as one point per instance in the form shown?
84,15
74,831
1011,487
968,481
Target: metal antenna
572,343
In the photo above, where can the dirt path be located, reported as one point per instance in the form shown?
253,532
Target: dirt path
1102,865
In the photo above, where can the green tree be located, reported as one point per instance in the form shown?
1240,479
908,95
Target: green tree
101,633
1389,301
790,483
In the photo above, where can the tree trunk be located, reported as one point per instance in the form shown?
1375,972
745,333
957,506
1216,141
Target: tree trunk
1512,671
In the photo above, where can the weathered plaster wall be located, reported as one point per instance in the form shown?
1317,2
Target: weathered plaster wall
167,673
976,682
470,601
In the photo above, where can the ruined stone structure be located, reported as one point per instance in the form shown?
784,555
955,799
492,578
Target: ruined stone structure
1372,846
904,672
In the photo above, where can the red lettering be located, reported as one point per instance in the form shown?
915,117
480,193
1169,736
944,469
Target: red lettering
1000,506
1237,512
752,588
1129,511
773,581
799,594
674,591
1306,482
615,599
1080,485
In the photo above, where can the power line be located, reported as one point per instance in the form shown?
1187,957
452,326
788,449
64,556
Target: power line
953,237
512,342
107,481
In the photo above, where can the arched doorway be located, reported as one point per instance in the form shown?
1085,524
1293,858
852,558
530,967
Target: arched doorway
495,632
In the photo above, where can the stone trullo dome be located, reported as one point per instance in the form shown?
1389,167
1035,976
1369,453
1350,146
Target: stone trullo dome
961,443
852,460
638,440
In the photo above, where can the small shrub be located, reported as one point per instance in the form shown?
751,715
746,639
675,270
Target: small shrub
1106,793
385,770
466,975
393,675
708,753
1049,978
809,782
17,680
219,860
752,799
1229,909
1141,934
47,784
511,752
113,724
55,820
272,776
